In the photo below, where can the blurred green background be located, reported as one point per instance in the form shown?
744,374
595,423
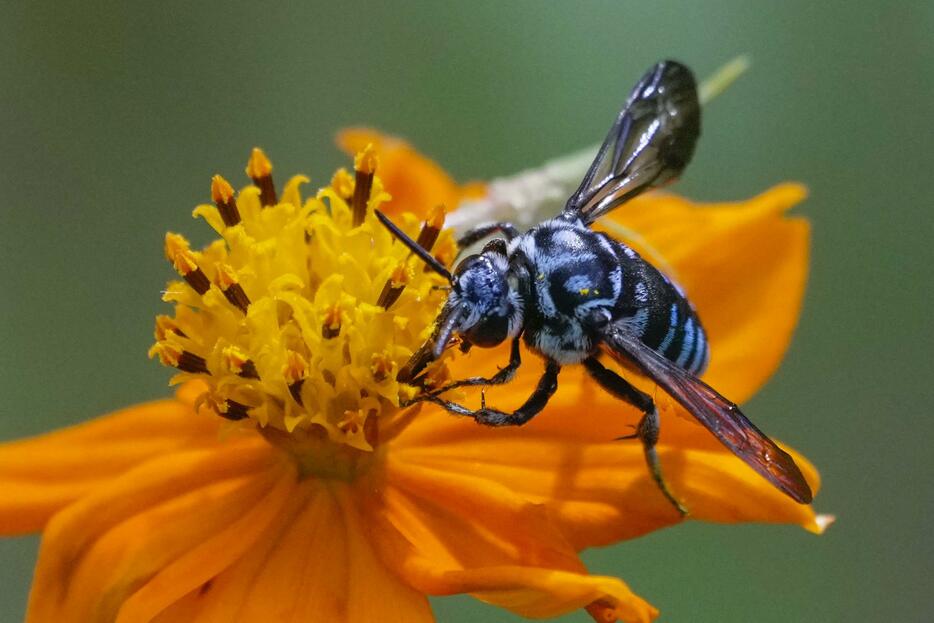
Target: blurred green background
114,116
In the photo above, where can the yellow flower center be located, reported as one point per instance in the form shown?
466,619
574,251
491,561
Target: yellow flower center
301,313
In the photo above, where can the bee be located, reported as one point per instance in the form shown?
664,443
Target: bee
573,294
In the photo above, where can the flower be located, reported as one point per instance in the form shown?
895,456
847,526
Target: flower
284,483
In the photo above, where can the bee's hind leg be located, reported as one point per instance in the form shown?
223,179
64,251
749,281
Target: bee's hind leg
547,385
646,430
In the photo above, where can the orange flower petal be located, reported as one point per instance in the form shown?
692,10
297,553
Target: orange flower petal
41,475
224,596
227,542
595,493
101,548
443,552
369,578
415,182
744,266
514,528
315,564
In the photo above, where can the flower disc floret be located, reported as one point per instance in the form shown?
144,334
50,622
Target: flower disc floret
282,315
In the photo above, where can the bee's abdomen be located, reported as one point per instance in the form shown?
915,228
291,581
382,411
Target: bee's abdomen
656,310
676,333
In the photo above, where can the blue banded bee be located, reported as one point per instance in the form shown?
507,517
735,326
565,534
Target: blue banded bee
574,294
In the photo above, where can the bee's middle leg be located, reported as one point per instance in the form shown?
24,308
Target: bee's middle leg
646,430
547,385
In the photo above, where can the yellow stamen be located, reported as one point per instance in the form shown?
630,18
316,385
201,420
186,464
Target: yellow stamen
259,165
380,367
230,286
295,371
177,252
239,363
352,422
295,368
331,327
310,343
366,160
222,194
173,355
166,327
431,228
224,407
364,165
392,290
259,168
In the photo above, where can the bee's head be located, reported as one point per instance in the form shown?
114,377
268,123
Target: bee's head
489,305
484,306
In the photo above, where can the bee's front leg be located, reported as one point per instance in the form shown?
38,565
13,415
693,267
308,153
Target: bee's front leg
503,376
488,416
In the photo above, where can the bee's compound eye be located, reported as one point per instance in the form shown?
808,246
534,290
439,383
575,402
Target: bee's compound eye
489,332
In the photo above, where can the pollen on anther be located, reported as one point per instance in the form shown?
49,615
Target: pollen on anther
352,422
392,290
431,228
178,252
295,371
331,327
229,284
364,165
239,363
222,193
165,327
224,407
175,356
259,168
366,160
380,367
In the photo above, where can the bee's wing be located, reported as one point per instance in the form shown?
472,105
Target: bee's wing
720,416
650,143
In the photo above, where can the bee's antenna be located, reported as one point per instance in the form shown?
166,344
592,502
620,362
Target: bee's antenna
414,247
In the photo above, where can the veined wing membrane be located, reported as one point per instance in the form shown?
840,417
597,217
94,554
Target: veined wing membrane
649,144
720,416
